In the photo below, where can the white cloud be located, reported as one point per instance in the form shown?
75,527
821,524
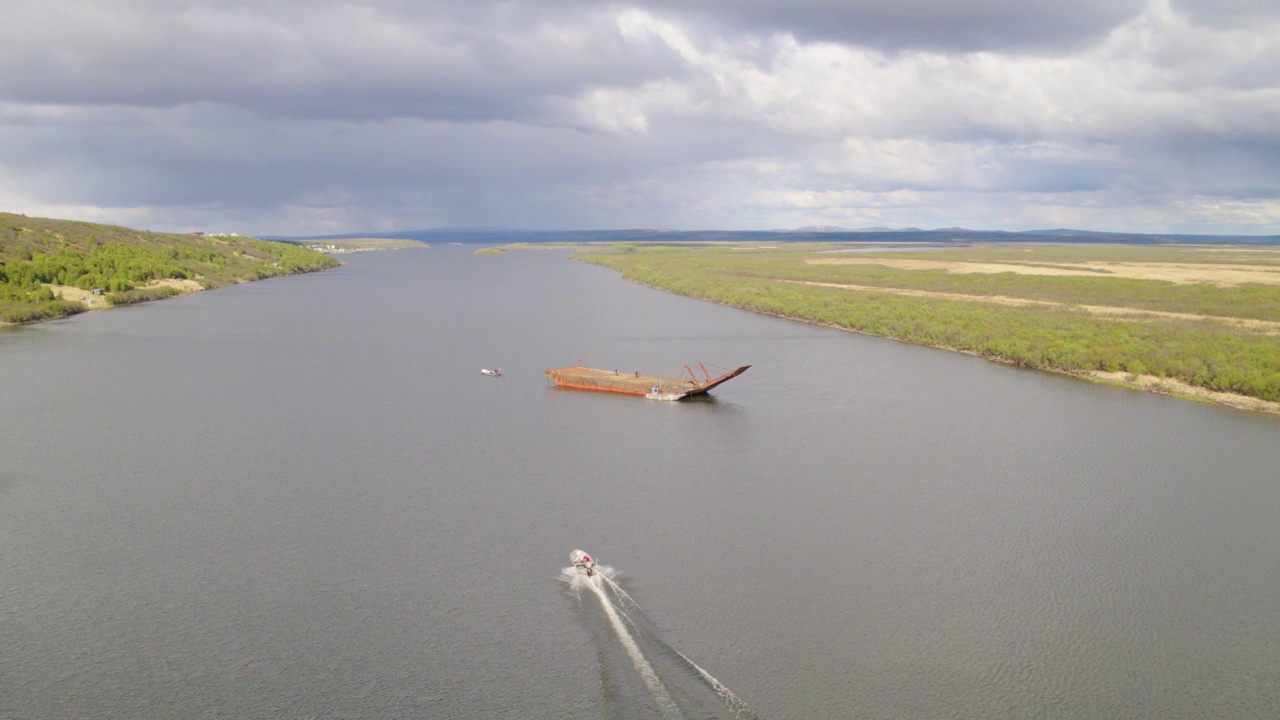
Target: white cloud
753,114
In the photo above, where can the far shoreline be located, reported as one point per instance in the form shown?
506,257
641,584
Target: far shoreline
1137,381
92,301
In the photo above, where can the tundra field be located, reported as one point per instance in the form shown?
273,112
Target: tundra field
1199,321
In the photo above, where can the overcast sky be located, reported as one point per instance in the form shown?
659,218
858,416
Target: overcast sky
303,117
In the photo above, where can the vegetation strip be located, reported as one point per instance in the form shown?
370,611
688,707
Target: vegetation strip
1265,327
1193,335
55,268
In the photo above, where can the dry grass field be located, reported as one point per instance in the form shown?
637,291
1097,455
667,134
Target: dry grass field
1220,274
1115,312
98,302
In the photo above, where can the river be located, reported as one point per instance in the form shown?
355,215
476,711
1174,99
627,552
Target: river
299,498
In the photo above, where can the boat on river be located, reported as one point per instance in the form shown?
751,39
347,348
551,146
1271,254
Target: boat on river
653,387
491,373
583,563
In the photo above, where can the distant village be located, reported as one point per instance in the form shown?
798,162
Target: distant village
332,249
336,247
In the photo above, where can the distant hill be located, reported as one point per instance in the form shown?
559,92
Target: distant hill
53,268
810,234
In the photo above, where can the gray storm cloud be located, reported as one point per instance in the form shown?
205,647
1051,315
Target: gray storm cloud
1037,26
294,118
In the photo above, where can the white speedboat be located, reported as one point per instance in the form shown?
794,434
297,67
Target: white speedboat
491,373
583,562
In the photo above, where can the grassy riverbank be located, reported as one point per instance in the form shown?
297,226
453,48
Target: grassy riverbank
1189,320
54,268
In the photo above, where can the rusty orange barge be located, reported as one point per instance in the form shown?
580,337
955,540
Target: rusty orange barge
633,383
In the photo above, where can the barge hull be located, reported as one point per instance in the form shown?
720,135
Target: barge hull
579,377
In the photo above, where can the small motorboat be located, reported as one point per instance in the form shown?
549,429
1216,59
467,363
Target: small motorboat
583,563
491,373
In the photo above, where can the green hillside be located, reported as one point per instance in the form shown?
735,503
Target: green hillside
46,265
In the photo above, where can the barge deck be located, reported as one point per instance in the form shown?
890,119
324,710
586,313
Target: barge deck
654,387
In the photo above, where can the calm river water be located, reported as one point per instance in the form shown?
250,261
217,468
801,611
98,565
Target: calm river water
300,499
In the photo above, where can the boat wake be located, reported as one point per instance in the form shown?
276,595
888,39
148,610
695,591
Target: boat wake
640,675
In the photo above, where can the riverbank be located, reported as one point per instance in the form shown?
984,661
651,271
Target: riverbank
1201,323
1142,383
98,301
52,268
1177,388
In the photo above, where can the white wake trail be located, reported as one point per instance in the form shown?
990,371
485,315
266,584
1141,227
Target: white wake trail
616,588
656,690
734,703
